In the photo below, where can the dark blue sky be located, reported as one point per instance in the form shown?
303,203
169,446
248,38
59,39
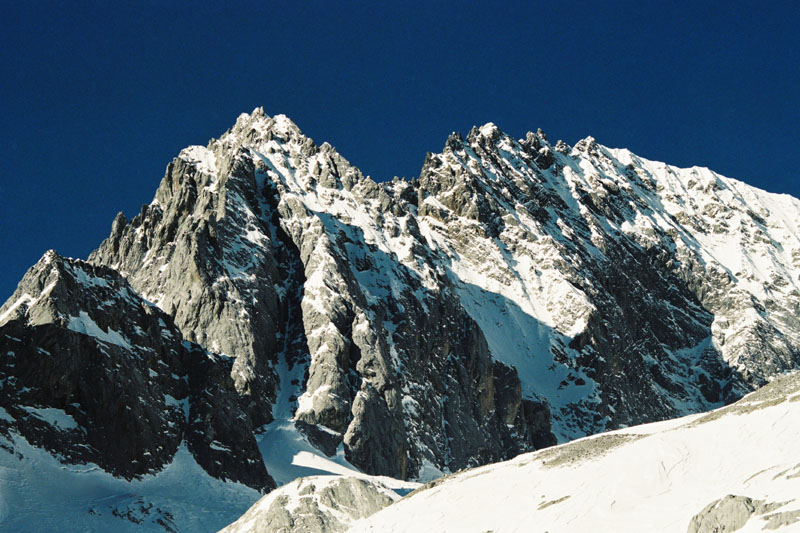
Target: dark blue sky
97,100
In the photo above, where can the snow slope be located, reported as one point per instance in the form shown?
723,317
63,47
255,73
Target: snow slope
41,494
654,478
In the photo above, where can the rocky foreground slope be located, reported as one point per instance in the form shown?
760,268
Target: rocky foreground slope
272,300
733,469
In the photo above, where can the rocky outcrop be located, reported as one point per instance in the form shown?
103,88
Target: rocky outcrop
733,512
325,504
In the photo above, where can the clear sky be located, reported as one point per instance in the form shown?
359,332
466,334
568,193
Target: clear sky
96,100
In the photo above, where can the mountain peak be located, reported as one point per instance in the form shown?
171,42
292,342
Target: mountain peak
489,132
488,129
257,127
587,144
43,294
454,141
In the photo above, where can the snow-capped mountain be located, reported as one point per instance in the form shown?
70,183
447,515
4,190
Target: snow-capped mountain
271,300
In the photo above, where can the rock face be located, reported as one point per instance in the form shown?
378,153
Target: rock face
323,504
95,374
516,293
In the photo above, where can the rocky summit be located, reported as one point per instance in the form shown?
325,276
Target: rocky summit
271,299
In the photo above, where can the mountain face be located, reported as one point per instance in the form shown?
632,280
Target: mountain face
515,294
281,254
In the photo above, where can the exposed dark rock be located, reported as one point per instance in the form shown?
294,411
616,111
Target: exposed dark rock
119,370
